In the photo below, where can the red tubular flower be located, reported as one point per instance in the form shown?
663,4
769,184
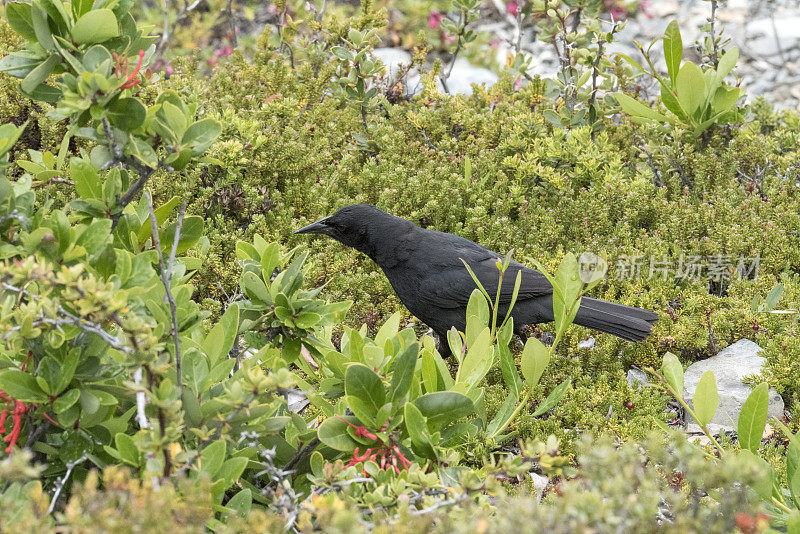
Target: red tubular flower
19,409
132,78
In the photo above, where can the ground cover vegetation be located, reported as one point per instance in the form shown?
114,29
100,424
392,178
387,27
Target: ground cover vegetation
174,359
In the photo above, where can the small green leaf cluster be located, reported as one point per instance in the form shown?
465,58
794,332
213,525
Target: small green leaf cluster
783,503
696,98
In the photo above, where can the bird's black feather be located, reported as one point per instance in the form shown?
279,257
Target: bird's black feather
426,271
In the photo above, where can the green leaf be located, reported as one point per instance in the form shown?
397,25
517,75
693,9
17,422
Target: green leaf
202,134
706,398
442,407
475,279
68,367
793,468
691,87
753,418
42,27
417,427
84,175
80,7
726,64
361,382
21,386
96,56
388,330
254,287
172,120
49,370
509,369
95,26
478,307
478,361
127,449
535,358
232,469
725,98
20,64
333,433
242,502
191,232
90,403
127,114
402,374
212,457
456,343
673,49
65,401
670,101
566,291
774,296
503,415
636,108
219,341
673,373
514,295
38,75
307,320
141,150
553,398
19,17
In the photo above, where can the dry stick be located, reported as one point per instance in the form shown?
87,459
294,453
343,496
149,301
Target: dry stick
166,280
714,53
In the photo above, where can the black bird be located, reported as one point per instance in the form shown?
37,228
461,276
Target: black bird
426,271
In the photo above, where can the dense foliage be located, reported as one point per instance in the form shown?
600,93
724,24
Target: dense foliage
173,358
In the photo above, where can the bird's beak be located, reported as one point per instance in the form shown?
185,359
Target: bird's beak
319,227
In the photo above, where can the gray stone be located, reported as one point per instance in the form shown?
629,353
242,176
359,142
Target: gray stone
539,484
393,58
730,366
465,74
762,39
637,378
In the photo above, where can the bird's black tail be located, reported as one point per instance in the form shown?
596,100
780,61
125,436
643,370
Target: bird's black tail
627,322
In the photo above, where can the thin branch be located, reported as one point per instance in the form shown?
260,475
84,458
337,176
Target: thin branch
61,482
71,319
143,171
712,20
166,280
141,401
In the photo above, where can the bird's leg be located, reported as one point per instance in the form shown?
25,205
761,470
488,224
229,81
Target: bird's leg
441,343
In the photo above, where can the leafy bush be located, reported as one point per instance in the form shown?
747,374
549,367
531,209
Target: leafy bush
133,345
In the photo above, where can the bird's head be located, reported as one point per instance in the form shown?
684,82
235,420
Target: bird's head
356,226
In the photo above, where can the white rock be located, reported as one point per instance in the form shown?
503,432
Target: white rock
637,378
465,74
296,400
729,367
539,484
762,35
393,58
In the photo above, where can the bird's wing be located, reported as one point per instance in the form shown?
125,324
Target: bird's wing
449,284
